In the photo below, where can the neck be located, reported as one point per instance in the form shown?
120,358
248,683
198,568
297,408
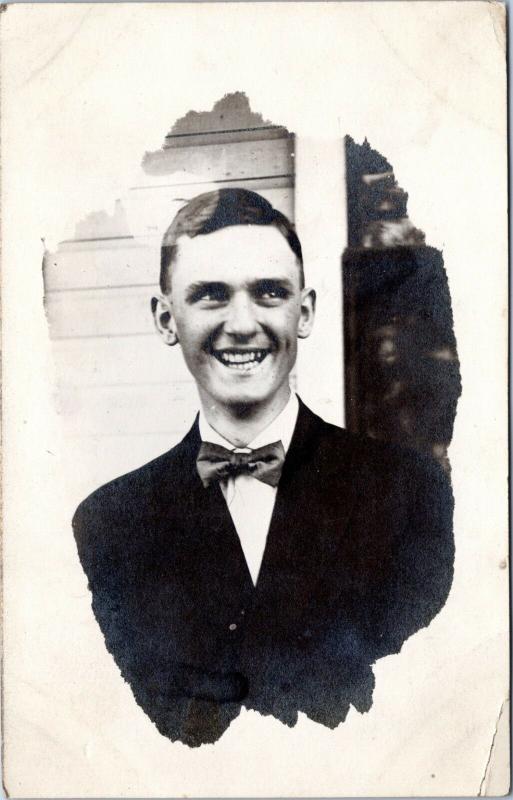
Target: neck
240,424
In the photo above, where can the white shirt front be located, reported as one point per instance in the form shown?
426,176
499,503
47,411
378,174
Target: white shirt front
251,502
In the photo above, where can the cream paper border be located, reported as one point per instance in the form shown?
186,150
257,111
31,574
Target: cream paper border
86,89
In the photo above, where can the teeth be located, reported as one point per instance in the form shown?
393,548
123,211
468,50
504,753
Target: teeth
239,358
243,361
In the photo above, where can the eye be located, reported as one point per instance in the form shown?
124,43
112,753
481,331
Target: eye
271,291
209,293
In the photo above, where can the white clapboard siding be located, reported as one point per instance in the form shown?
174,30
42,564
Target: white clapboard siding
118,361
102,262
137,409
231,161
101,312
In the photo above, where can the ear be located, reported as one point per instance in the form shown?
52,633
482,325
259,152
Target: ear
164,321
307,316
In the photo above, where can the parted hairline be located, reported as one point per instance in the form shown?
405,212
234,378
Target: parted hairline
223,208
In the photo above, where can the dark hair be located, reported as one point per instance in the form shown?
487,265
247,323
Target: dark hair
222,208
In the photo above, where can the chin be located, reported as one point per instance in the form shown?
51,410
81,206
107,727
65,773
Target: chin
242,392
244,398
237,397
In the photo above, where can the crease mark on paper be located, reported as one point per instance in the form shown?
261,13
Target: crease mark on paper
39,70
482,785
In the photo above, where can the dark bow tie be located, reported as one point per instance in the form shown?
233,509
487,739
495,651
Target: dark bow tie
216,463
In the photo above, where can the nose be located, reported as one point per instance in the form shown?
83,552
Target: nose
241,320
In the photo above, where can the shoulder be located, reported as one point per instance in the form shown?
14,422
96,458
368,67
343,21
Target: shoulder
368,459
123,500
389,487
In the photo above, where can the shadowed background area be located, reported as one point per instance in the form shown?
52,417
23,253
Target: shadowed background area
402,374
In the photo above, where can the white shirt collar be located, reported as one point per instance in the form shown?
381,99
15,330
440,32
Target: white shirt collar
280,429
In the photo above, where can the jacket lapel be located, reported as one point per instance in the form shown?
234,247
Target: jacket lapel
314,500
208,537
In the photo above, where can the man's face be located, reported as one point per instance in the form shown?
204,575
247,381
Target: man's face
237,309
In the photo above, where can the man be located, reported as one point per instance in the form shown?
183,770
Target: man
270,558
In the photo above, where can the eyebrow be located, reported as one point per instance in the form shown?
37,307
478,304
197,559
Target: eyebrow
285,282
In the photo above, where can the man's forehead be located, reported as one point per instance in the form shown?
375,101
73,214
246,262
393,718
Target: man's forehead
238,248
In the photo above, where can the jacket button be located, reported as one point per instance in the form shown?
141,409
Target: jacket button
232,627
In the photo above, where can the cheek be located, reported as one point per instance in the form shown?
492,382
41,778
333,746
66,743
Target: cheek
287,331
192,334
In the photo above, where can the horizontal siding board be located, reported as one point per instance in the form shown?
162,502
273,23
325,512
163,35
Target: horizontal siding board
224,137
100,312
88,267
214,162
256,183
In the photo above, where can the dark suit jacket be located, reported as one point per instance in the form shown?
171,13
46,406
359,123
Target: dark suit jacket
359,556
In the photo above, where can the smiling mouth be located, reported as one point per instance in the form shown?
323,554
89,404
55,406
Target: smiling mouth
241,360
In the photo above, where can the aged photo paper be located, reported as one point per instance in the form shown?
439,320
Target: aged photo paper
292,219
